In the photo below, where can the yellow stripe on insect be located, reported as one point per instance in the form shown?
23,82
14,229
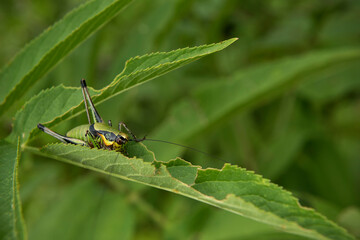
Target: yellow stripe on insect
105,141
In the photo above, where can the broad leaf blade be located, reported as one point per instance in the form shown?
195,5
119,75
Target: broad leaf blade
48,104
231,188
214,101
111,219
140,69
44,52
11,221
331,83
60,103
225,225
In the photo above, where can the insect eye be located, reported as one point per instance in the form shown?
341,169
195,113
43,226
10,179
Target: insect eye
121,139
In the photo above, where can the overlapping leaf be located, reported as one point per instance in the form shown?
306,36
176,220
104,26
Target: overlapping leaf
231,188
214,101
62,103
111,219
44,52
330,83
11,221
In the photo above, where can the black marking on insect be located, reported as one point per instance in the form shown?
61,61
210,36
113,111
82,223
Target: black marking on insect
96,134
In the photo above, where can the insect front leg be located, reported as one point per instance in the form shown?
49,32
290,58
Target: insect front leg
92,140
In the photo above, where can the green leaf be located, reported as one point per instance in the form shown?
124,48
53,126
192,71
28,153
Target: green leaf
341,29
331,83
138,41
12,225
276,157
292,129
48,104
100,214
224,225
44,52
232,188
350,218
215,101
59,103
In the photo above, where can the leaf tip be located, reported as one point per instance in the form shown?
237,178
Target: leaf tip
231,40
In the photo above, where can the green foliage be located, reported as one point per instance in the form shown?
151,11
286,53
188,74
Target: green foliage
119,220
211,102
39,56
231,188
12,223
281,102
44,108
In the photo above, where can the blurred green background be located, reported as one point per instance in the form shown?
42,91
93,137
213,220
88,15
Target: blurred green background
305,137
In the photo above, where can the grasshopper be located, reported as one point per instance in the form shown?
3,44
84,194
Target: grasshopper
97,134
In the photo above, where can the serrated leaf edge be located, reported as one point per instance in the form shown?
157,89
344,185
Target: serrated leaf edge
77,9
220,203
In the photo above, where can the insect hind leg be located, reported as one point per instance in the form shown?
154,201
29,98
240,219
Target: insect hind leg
86,93
61,137
85,101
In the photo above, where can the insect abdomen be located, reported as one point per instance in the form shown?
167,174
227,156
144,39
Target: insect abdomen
78,132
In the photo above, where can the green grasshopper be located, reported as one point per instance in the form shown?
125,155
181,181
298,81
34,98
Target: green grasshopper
97,134
101,135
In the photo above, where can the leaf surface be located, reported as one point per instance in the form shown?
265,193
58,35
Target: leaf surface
231,188
44,52
214,101
60,103
331,83
11,221
101,214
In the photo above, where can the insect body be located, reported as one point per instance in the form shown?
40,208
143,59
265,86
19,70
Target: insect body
97,134
101,135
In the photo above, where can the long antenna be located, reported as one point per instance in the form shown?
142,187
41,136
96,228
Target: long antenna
184,146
